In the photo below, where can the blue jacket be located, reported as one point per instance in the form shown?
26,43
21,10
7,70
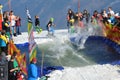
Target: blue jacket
2,43
32,72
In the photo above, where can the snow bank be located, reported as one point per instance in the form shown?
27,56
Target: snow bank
95,72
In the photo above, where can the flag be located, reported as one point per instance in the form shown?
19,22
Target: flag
33,52
1,16
32,43
21,59
12,48
23,64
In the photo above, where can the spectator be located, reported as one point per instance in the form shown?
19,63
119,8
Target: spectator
11,69
18,25
32,70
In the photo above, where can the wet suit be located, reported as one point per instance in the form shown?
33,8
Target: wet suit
50,27
37,25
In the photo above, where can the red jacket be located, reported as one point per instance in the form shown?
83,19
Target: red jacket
18,22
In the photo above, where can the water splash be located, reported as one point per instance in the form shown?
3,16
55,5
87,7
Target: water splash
82,33
59,47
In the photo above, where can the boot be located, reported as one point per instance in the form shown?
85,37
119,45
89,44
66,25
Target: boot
15,34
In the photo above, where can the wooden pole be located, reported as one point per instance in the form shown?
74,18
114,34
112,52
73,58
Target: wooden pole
78,13
78,6
9,5
42,63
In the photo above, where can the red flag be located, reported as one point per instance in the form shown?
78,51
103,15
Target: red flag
23,64
12,48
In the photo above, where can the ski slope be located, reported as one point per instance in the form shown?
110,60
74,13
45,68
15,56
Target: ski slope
91,72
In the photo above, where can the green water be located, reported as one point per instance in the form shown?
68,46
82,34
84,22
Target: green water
59,53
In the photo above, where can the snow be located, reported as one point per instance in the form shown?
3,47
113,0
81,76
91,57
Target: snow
95,72
39,38
92,72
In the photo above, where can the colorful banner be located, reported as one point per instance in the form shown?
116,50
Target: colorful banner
112,32
32,43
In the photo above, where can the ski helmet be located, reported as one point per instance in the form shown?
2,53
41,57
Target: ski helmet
51,19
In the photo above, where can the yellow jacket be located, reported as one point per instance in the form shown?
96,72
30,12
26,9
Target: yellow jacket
4,38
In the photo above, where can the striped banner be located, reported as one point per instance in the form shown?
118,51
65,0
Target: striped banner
32,43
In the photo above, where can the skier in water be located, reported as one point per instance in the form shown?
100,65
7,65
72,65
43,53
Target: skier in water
50,26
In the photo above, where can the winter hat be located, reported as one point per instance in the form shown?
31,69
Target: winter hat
34,60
